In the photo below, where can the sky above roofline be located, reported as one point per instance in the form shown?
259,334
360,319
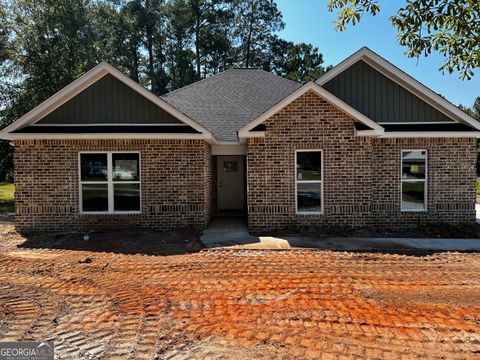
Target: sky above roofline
309,21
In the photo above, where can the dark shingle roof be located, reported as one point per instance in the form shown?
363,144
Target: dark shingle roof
226,102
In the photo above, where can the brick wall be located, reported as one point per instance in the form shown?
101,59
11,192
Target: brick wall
176,184
361,174
450,181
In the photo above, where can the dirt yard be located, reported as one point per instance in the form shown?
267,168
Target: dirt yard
226,304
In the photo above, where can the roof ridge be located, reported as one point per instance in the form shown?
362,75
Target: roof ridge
282,77
226,70
196,82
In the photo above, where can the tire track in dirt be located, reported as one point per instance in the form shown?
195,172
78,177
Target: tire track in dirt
242,304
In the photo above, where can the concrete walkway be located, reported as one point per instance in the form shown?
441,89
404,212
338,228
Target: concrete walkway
233,233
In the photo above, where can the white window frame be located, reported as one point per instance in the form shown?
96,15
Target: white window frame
110,182
308,182
425,181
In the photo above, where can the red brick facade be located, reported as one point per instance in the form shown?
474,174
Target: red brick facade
361,174
361,178
176,184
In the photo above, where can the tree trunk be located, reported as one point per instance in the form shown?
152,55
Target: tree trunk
134,74
151,70
250,32
197,38
149,35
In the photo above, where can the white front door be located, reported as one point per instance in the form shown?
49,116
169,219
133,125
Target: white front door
231,182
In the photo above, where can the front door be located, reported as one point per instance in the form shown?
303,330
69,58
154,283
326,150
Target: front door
231,182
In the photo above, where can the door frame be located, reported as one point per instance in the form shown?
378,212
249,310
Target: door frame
245,188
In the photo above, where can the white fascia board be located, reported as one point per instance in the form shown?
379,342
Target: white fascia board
431,134
369,132
404,80
233,149
156,99
59,98
250,134
92,136
106,124
311,86
84,82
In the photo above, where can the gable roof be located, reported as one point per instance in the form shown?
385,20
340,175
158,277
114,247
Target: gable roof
228,101
373,127
109,101
82,83
404,80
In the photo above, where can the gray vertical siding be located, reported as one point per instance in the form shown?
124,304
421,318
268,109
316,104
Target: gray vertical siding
379,98
109,101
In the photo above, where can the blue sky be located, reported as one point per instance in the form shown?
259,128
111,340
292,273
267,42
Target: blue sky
309,21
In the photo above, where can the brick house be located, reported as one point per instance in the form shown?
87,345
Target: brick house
365,145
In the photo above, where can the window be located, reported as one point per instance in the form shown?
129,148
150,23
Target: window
308,182
109,182
414,180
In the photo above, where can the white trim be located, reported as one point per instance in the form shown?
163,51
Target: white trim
229,149
417,122
311,86
105,124
431,134
404,80
366,132
84,82
86,136
110,183
425,183
250,134
307,213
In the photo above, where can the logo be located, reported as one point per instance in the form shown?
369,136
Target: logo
26,350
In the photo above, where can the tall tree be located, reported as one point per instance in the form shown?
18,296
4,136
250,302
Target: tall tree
209,23
55,43
449,27
257,22
298,62
4,33
162,44
180,56
474,112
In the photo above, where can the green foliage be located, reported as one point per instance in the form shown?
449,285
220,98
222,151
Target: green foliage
257,22
7,192
474,112
297,62
449,27
162,44
351,11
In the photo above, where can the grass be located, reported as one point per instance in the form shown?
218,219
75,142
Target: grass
478,186
7,195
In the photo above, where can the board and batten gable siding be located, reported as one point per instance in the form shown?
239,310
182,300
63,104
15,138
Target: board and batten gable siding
380,98
108,101
361,178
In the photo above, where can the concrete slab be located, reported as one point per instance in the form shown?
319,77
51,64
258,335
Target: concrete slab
477,208
227,231
233,233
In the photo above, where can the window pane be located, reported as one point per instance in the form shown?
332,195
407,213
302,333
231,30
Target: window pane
309,165
126,197
309,197
413,195
93,167
125,167
230,166
413,164
94,197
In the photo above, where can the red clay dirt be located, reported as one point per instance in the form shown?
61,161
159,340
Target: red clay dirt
236,304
